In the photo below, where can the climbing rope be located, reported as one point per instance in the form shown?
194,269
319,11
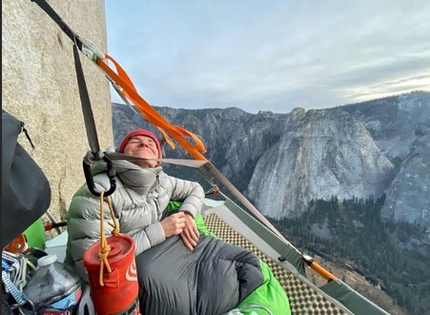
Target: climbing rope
104,246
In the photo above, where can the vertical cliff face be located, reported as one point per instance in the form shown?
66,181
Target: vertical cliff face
323,154
408,198
39,87
400,126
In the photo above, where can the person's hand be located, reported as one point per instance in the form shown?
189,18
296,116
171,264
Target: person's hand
190,234
173,224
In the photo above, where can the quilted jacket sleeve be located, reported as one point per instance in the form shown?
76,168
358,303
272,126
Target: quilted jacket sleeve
191,193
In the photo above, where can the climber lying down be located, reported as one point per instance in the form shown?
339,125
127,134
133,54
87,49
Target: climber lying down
180,269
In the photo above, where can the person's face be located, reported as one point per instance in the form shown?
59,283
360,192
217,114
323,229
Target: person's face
144,147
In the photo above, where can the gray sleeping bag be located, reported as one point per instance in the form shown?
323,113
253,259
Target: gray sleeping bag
212,279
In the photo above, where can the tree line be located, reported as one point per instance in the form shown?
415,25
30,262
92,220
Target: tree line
355,231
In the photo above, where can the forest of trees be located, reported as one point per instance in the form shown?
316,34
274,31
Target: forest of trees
355,232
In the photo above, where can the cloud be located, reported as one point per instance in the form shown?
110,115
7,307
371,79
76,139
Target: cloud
273,55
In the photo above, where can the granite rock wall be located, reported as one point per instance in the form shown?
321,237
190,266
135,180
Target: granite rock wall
39,87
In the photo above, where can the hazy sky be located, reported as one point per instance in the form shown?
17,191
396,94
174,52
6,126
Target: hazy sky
270,55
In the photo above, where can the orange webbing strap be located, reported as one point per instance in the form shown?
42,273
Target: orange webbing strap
322,272
104,246
318,268
149,113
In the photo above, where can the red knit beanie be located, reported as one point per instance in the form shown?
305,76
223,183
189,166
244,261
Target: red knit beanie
139,132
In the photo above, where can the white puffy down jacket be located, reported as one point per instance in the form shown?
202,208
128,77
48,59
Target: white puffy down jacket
139,200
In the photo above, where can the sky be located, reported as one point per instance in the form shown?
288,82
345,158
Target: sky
270,55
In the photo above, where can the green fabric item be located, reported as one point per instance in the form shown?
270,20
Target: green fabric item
268,298
200,222
35,235
173,206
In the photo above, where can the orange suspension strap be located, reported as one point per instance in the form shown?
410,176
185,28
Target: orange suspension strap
150,114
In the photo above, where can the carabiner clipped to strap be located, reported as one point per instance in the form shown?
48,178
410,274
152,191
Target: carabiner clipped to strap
110,171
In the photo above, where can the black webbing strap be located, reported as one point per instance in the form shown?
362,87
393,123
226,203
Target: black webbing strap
90,125
57,19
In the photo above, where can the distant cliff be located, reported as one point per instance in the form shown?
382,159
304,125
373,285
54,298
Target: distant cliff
283,161
400,127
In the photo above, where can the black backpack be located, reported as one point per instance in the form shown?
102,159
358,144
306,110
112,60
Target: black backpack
26,194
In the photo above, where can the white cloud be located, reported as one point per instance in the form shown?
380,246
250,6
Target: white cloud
270,55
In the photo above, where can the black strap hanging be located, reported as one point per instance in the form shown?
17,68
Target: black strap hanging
91,132
90,126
